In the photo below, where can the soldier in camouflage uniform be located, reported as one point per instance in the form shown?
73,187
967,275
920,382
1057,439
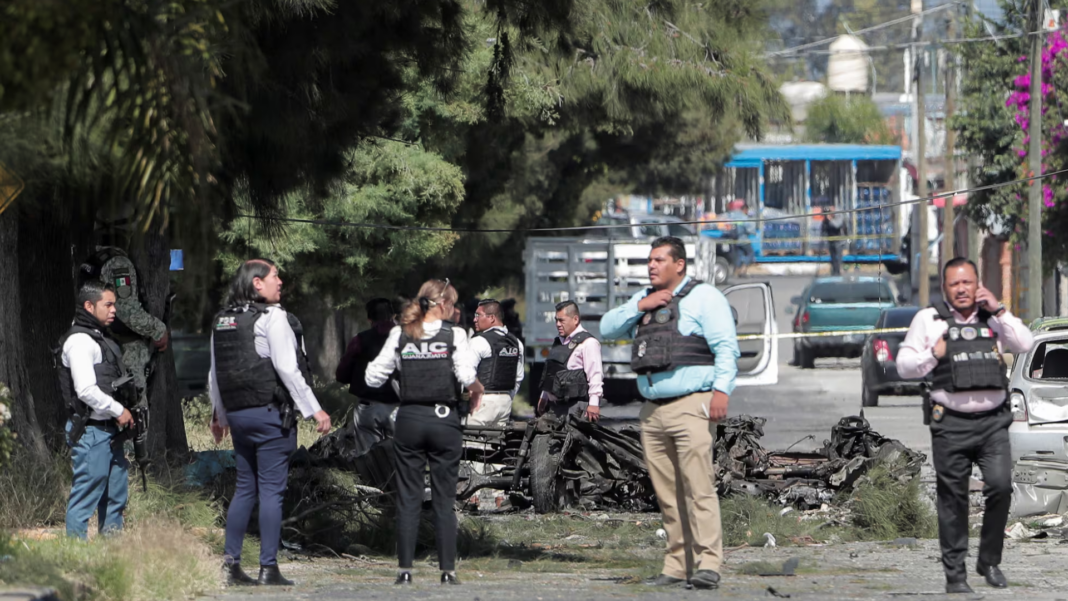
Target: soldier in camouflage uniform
139,333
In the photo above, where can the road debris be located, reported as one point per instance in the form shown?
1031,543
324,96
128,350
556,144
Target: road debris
552,464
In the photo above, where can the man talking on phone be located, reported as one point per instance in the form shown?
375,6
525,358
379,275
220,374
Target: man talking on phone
957,344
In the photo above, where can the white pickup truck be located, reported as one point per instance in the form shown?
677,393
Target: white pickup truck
600,274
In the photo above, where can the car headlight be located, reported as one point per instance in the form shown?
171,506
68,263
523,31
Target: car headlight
1018,404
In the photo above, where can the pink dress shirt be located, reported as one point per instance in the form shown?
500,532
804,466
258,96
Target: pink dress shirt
915,358
587,357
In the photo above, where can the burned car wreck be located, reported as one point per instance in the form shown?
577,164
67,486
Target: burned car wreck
554,464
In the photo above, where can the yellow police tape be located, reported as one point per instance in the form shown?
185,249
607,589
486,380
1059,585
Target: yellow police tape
823,334
810,239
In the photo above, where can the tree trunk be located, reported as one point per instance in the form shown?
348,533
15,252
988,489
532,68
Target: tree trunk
13,357
46,278
167,426
324,335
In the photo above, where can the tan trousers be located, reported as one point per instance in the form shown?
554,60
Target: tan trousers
494,410
677,439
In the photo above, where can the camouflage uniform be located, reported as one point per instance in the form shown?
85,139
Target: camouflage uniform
119,271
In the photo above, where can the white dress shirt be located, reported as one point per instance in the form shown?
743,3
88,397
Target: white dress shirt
481,347
464,361
274,340
80,354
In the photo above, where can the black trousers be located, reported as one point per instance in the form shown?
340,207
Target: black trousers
834,248
957,443
423,438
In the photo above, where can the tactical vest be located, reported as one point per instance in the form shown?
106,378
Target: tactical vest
371,343
426,374
92,270
497,373
302,356
972,360
108,371
244,378
658,345
567,385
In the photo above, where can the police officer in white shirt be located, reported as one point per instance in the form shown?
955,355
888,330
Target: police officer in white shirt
500,366
433,359
259,378
91,376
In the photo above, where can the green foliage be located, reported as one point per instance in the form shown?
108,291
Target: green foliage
987,130
7,437
836,119
884,508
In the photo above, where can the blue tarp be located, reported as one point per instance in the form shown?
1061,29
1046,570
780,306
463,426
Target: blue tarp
753,156
177,260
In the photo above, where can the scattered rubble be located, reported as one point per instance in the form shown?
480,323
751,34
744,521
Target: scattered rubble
552,464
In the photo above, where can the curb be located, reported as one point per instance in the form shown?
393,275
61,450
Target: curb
29,594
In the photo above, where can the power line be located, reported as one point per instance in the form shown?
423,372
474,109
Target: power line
577,228
891,23
906,45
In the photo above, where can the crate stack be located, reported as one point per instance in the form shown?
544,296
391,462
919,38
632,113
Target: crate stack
874,220
781,238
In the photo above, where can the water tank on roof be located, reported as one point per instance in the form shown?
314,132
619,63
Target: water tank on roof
847,69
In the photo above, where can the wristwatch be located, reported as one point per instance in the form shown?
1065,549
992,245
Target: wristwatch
1001,309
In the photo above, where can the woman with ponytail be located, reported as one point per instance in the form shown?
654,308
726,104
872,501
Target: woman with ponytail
434,360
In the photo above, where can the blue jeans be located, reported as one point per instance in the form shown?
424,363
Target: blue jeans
100,482
263,450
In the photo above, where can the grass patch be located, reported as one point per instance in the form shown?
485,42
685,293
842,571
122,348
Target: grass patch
884,508
35,490
745,520
151,560
197,413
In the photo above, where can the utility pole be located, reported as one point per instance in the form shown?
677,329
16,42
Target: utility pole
921,158
948,221
1034,159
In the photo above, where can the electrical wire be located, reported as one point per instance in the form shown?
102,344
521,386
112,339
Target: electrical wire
877,27
579,228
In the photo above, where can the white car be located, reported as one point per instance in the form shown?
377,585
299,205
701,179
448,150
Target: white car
1038,395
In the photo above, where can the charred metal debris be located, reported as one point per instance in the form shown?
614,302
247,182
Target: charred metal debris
552,464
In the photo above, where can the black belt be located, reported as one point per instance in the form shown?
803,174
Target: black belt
670,399
101,423
497,392
975,415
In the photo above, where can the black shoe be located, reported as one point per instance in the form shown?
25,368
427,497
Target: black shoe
705,579
403,578
665,580
958,587
449,578
270,576
993,576
235,576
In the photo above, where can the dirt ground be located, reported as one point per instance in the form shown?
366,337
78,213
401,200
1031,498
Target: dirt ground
579,570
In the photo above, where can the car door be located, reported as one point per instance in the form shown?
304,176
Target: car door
754,305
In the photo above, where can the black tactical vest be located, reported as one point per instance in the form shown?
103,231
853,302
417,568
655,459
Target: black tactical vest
108,371
371,343
497,373
426,374
658,345
302,356
972,360
567,385
244,378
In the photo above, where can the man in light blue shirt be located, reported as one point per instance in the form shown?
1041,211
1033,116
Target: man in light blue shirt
685,353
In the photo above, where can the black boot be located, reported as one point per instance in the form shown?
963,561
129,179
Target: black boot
235,576
403,578
449,578
269,575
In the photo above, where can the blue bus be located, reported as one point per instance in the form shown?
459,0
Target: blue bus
777,182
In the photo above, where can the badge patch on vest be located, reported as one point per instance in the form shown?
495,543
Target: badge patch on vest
647,318
226,322
663,315
571,345
425,350
985,332
641,348
968,333
954,333
509,352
